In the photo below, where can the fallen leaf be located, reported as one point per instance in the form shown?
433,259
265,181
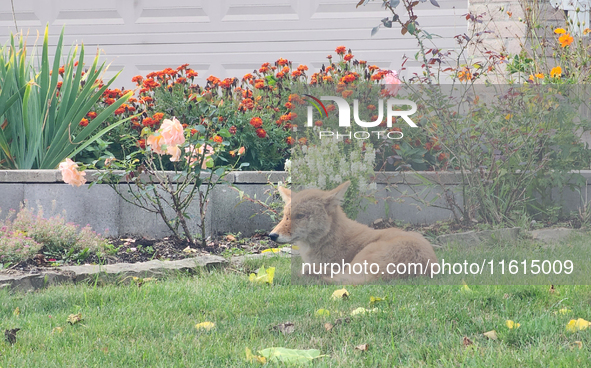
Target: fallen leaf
294,356
230,238
563,311
322,313
342,320
189,250
75,318
272,250
340,294
576,325
362,347
552,290
10,335
328,326
467,341
205,326
511,325
374,300
16,311
465,288
362,310
491,334
254,358
577,344
263,276
285,328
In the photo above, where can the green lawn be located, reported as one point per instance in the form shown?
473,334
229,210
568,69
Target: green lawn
154,325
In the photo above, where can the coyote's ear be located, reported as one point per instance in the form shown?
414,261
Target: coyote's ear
338,193
285,194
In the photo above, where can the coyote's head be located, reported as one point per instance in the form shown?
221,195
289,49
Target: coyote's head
307,215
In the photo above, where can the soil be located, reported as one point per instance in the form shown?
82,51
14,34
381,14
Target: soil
137,249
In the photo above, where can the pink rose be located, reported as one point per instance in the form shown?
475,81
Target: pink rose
172,131
175,152
155,141
70,173
196,154
393,84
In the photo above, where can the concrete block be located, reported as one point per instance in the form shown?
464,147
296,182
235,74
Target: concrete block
11,196
97,206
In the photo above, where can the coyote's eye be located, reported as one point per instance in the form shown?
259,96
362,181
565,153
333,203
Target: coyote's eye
300,216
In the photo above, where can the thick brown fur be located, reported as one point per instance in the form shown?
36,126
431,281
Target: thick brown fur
315,222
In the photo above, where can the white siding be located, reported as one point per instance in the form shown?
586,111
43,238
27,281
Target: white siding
227,38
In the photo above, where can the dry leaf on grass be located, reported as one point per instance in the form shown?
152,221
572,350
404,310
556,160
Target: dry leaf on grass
230,238
491,334
263,276
285,328
577,325
362,347
205,326
254,358
328,326
75,318
340,294
552,290
290,356
511,325
322,312
576,344
189,250
16,312
10,335
467,341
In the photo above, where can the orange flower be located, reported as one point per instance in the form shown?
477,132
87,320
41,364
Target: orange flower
84,122
347,93
218,139
155,141
289,140
302,68
141,143
303,141
318,123
341,50
241,151
91,115
556,72
559,31
464,75
348,57
282,62
565,40
261,133
256,122
158,117
259,85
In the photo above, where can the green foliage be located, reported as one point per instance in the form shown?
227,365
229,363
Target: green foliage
42,125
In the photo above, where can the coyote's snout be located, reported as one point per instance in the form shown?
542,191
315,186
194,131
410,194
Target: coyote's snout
315,222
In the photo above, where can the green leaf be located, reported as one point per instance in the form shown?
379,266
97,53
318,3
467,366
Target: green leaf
225,133
290,356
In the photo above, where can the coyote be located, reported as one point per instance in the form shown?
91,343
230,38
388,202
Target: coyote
314,221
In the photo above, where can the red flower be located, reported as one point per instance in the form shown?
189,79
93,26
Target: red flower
318,123
91,115
232,130
61,70
289,140
218,139
120,111
193,131
282,62
341,50
348,57
148,122
256,122
261,133
141,143
84,122
302,141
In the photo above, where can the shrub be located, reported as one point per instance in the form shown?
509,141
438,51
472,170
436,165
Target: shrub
26,233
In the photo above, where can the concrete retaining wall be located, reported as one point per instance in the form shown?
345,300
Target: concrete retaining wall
106,212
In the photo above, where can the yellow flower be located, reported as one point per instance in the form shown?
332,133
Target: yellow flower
575,325
586,31
556,72
565,40
559,31
540,76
